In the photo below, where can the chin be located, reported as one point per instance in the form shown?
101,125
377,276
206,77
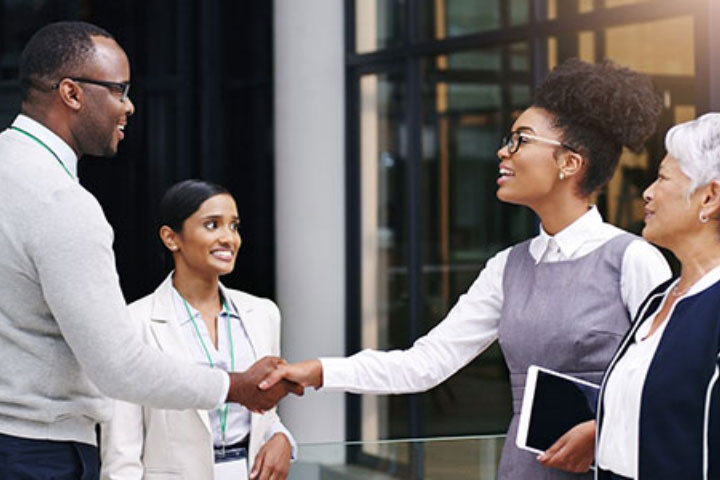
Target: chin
651,236
503,196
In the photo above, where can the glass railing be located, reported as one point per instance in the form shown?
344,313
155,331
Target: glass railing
446,458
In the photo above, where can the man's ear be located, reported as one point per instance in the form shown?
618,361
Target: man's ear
70,93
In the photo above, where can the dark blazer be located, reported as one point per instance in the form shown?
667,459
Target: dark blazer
680,405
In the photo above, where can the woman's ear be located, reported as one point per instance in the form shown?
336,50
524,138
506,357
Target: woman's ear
169,238
570,163
710,203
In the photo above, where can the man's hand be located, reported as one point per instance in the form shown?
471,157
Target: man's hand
273,460
244,386
306,374
574,451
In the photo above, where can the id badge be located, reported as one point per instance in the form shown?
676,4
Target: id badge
232,470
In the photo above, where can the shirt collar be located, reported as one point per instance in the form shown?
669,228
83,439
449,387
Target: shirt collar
182,311
51,139
570,238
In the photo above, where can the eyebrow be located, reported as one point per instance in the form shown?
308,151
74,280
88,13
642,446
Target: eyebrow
215,216
525,129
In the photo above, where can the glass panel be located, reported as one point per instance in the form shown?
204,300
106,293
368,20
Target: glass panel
586,46
663,49
378,24
452,458
465,113
519,12
622,3
451,18
384,238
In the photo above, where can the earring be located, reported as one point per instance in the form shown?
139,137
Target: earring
702,216
561,176
173,247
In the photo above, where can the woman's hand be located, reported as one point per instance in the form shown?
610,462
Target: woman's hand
273,459
574,451
306,374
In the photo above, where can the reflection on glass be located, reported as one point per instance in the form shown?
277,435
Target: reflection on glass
621,3
453,458
466,113
384,267
663,47
586,46
452,18
378,24
519,12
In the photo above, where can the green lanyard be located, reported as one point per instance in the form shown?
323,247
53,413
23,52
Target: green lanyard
46,148
222,413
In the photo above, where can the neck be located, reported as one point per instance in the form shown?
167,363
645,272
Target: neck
698,255
198,290
54,122
557,215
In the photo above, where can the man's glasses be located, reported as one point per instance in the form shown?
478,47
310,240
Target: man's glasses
121,88
515,139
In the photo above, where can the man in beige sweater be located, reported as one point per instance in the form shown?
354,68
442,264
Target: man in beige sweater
66,338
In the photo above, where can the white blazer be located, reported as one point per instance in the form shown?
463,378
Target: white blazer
148,443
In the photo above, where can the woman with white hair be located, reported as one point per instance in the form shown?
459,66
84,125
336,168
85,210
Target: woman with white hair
659,413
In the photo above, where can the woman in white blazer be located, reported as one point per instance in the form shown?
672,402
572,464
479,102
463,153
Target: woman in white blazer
192,315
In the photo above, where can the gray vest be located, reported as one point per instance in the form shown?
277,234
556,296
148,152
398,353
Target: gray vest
567,316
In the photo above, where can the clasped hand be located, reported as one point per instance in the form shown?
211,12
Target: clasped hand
245,391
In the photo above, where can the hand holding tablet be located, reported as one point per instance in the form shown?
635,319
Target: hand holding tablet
553,404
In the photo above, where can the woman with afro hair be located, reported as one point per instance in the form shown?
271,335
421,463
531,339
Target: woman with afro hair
561,300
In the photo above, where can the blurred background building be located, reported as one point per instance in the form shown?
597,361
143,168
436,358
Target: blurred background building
359,138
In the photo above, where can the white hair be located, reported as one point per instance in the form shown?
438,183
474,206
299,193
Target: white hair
696,147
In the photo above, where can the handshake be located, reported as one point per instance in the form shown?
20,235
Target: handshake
267,381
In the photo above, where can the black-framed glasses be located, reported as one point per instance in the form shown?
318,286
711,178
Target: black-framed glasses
516,138
121,88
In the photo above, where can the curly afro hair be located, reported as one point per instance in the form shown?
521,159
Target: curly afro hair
599,108
56,50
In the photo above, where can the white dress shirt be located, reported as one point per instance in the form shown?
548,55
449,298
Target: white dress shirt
51,140
618,443
472,324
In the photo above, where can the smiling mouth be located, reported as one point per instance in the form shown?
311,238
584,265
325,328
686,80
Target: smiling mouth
222,254
504,172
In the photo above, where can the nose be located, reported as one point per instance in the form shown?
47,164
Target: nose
648,193
129,107
503,152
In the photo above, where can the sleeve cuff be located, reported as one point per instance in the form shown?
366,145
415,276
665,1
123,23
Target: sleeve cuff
225,390
337,373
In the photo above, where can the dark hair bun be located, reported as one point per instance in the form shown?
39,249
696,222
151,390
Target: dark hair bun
615,102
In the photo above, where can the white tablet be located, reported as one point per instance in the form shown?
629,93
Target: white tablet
553,403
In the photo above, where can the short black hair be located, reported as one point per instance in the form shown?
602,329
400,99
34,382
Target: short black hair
183,199
600,108
57,50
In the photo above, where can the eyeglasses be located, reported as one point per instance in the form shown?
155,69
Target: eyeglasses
515,139
121,88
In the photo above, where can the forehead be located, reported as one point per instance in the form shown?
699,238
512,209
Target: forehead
218,205
669,163
109,61
535,119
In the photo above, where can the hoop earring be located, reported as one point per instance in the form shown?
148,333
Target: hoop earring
703,217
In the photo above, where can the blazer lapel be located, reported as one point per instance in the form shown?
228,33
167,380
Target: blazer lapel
165,329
